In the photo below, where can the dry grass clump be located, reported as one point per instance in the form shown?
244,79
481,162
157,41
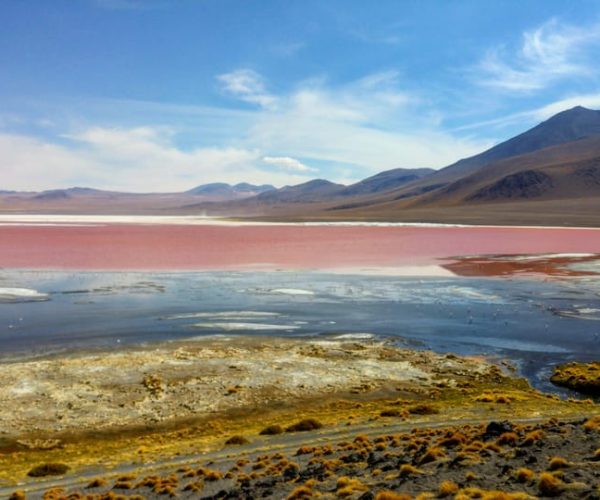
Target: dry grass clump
508,438
470,476
271,430
346,486
362,440
432,454
211,475
237,441
161,485
97,483
300,492
123,485
392,495
409,470
447,488
307,424
582,377
532,437
557,463
394,412
50,469
593,424
194,486
305,450
453,440
54,494
550,486
423,409
487,397
524,475
492,447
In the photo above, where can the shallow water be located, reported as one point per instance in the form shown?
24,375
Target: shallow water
536,324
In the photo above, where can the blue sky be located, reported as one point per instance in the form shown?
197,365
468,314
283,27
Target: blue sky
163,95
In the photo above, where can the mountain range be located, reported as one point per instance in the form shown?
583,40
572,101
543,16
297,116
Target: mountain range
548,175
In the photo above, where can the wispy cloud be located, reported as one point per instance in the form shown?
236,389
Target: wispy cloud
348,131
248,86
366,125
546,55
287,163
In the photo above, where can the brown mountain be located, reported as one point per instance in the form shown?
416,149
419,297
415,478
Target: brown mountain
87,200
547,175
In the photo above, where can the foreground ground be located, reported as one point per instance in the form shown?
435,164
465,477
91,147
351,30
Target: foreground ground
184,402
498,460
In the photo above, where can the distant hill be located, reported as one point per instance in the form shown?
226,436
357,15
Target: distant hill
388,180
224,190
88,200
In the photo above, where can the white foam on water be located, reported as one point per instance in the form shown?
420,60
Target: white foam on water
417,271
21,294
223,315
291,291
538,256
354,336
471,293
232,326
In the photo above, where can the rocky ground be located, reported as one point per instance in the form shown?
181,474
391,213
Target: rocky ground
500,460
138,412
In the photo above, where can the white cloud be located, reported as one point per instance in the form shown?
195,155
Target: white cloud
139,160
247,85
350,131
546,55
287,163
370,124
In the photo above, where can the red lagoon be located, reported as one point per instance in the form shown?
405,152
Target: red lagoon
198,247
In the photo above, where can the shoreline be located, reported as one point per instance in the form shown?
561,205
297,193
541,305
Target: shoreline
55,220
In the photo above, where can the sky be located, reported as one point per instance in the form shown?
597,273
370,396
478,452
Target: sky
164,95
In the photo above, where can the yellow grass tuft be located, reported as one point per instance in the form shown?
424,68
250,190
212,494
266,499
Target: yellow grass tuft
524,475
549,485
447,488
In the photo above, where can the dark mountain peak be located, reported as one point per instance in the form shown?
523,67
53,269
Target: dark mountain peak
585,119
313,190
568,125
388,180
